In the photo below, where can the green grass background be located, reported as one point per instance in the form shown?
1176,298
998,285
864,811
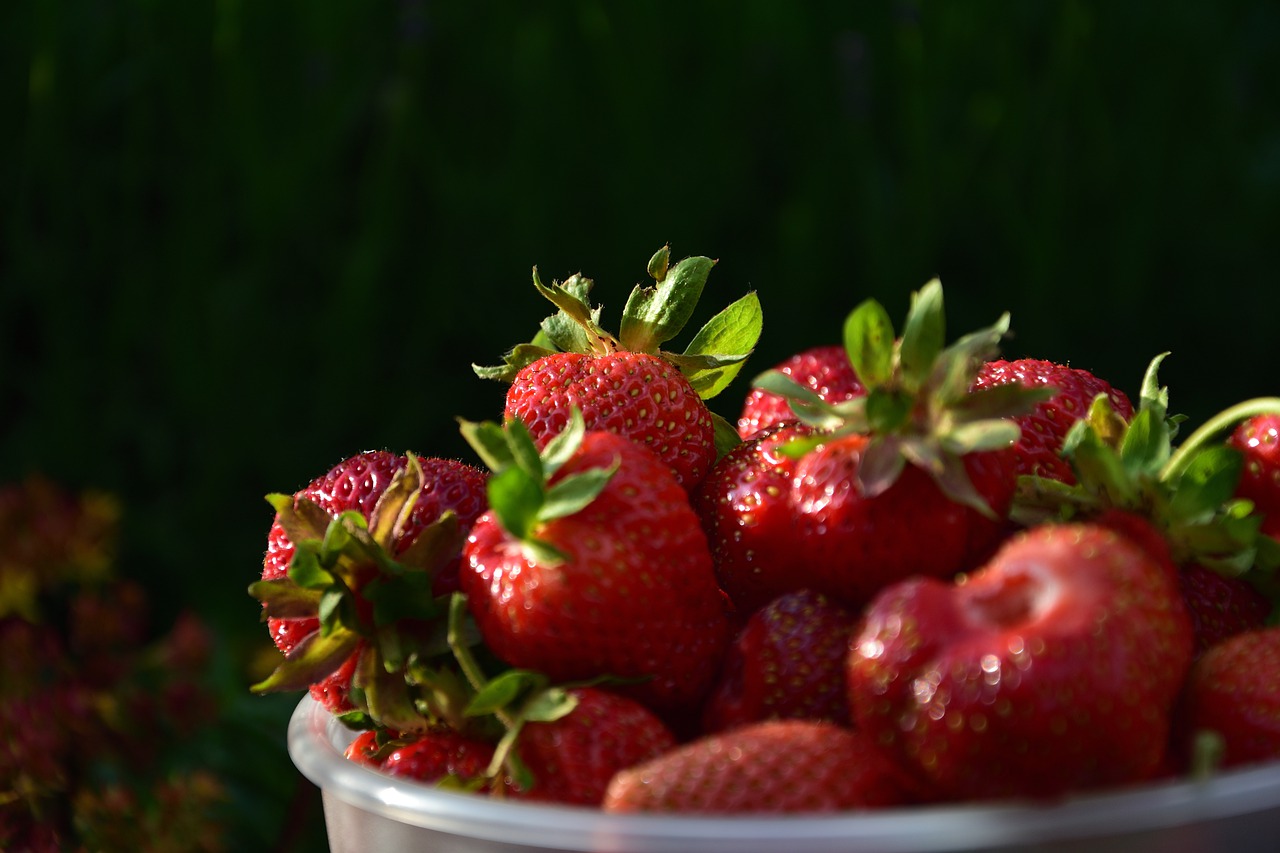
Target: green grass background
242,240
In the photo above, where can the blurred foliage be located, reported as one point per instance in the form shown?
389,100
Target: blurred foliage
244,240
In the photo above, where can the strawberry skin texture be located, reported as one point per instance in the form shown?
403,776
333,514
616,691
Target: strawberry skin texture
636,596
744,505
825,370
1234,690
439,754
356,483
850,546
1220,606
573,758
1044,429
787,662
1054,668
1258,438
792,766
639,396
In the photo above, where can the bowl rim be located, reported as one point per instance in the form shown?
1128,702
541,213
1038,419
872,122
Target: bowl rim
316,740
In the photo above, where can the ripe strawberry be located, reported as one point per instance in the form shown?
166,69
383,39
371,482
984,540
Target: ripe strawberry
1220,606
744,506
825,370
794,766
571,759
591,562
1053,668
437,756
787,662
375,487
1233,689
626,384
912,478
1258,439
1045,427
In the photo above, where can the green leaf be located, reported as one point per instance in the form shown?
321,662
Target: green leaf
282,598
524,451
979,436
489,441
1145,446
303,521
654,315
543,552
869,340
957,366
1000,401
726,435
387,694
1207,482
735,331
407,596
520,357
777,382
887,412
336,610
312,659
923,335
394,507
880,466
502,691
704,372
515,498
1152,396
305,569
436,544
575,492
561,448
548,705
658,264
956,485
1101,467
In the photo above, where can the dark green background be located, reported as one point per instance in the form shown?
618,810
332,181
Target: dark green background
244,239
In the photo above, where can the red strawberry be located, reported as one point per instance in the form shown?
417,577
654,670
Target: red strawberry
744,505
434,756
825,370
1045,428
788,661
1221,606
1234,690
592,562
912,478
361,484
1258,439
1053,668
572,759
627,384
778,766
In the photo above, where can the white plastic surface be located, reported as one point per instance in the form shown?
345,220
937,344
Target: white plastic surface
1238,811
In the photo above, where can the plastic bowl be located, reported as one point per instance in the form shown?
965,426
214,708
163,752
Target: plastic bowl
368,811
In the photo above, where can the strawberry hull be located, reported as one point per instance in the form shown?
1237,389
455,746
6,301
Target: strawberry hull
366,810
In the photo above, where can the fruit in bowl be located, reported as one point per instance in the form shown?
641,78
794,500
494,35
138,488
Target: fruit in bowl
914,579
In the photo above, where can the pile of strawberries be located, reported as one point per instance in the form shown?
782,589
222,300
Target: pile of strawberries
911,573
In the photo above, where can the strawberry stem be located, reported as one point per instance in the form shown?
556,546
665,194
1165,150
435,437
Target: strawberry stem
1208,432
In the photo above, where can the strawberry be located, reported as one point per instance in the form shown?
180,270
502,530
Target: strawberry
1184,498
914,477
825,370
1257,438
347,553
1052,668
1220,606
797,766
1233,691
788,661
1045,427
746,513
571,759
438,756
627,384
591,562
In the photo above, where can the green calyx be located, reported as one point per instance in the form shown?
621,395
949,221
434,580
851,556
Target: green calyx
520,493
654,315
367,602
1187,490
919,408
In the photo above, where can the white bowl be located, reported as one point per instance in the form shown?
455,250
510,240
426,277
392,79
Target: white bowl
1237,811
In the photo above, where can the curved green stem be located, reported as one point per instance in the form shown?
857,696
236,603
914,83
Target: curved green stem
1224,420
466,661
